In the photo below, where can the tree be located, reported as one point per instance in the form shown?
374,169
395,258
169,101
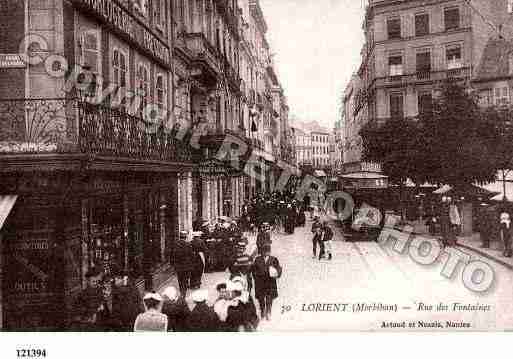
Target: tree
458,140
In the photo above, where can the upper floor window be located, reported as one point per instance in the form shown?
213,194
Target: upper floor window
423,62
143,84
394,28
161,93
421,24
90,51
501,96
141,6
119,68
395,63
453,56
486,97
452,18
159,13
396,105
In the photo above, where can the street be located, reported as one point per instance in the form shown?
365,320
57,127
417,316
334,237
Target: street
367,273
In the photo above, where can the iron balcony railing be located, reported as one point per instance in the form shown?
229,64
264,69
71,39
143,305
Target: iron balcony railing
77,126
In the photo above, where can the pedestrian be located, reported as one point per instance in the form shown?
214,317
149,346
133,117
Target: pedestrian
266,270
505,233
92,299
152,320
198,260
306,205
221,306
327,239
202,317
182,260
317,236
126,302
176,310
263,237
241,313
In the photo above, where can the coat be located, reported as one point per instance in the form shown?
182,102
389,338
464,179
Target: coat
126,305
328,234
202,319
183,256
177,314
151,321
265,285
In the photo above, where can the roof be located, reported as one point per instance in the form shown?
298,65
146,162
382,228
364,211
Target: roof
495,60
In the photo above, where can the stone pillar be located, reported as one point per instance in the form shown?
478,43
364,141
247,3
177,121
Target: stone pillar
179,188
85,240
205,189
189,200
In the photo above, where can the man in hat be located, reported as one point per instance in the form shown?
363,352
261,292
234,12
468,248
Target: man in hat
152,320
263,237
266,270
183,257
202,317
198,260
176,309
126,301
327,238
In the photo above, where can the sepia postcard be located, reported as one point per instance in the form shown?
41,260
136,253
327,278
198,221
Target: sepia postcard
263,166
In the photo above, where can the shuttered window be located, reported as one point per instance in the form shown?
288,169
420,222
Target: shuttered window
396,105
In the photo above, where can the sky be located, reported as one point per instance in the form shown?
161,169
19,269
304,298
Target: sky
317,47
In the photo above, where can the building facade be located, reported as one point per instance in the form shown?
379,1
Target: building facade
410,48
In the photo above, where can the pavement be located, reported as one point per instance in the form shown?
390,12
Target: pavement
312,292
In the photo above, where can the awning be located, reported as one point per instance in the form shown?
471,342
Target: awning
363,175
6,205
319,173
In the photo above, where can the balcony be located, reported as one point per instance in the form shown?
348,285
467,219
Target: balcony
73,127
204,54
233,77
422,76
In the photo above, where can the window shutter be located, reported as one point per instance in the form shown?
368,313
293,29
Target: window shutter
424,62
452,18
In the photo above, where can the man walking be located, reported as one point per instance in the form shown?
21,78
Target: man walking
266,270
182,259
317,236
327,239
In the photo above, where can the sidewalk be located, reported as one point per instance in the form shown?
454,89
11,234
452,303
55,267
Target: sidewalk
472,243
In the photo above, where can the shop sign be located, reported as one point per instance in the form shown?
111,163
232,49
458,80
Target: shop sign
12,61
112,13
371,167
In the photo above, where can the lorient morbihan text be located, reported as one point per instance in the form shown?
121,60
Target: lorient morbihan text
374,307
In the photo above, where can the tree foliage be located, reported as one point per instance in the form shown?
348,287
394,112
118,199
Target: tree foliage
454,144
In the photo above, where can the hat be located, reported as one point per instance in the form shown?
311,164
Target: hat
200,295
154,296
171,293
236,286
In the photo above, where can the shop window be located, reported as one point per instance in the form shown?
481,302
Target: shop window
421,24
453,56
394,28
395,64
452,18
143,86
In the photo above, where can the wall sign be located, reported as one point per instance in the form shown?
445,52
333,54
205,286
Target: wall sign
12,61
118,17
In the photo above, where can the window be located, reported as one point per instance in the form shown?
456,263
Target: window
453,56
395,64
510,6
452,18
159,11
143,84
394,28
396,105
90,51
119,68
160,88
486,97
423,62
421,24
141,6
425,103
501,96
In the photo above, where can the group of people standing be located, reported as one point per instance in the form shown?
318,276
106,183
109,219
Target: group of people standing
322,239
